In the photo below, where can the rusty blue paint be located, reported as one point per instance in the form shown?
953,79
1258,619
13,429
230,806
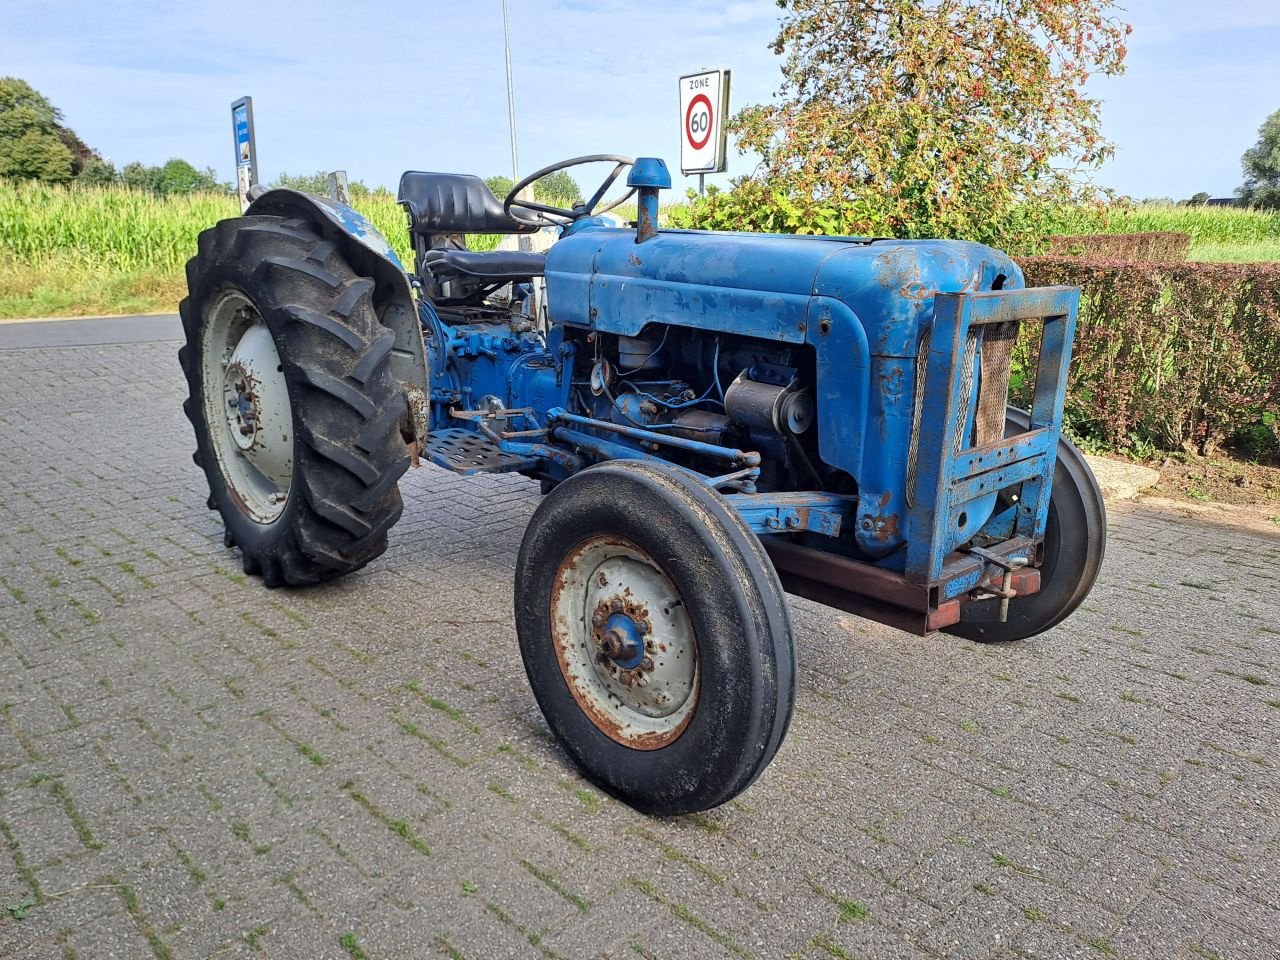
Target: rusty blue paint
770,513
956,489
862,304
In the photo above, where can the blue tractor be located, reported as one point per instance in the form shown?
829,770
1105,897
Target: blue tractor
715,418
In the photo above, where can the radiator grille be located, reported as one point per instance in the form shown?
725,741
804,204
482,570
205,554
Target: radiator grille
993,392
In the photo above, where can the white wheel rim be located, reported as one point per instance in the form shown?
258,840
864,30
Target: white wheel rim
625,643
246,407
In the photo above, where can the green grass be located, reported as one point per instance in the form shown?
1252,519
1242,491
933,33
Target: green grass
85,251
1263,251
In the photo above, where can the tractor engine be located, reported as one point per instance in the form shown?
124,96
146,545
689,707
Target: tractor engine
725,391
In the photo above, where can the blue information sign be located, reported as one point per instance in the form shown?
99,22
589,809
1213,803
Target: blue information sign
246,151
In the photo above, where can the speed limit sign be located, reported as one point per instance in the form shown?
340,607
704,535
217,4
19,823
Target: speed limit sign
704,99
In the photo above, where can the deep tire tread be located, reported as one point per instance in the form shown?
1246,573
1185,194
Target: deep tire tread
349,453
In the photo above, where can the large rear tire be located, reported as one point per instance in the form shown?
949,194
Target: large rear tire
296,414
655,635
1075,540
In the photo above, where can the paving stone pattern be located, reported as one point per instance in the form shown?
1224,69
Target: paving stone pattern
194,766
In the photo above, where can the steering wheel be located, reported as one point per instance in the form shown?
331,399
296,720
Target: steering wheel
556,216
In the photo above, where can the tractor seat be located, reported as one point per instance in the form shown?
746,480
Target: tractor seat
493,266
455,203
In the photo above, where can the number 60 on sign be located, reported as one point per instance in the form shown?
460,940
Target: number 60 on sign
704,101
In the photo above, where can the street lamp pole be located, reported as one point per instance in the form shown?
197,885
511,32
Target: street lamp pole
511,96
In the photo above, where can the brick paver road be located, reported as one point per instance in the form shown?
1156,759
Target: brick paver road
194,766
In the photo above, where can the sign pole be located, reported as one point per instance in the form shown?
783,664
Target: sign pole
702,184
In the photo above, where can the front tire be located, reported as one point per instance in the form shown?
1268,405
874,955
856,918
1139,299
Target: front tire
655,635
295,412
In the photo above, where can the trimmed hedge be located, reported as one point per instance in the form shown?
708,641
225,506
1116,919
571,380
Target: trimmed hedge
1163,246
1179,355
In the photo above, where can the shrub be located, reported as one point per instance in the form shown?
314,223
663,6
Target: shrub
1179,355
1164,246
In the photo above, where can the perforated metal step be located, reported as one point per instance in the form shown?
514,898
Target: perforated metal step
467,452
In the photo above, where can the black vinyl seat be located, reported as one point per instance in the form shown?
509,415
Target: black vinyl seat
492,266
455,203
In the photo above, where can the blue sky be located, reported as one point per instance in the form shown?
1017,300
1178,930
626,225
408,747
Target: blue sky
377,88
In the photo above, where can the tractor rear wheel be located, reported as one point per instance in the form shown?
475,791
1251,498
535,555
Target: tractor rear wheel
655,635
296,414
1075,540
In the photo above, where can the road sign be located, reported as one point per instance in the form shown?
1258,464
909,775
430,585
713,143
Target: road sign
704,101
246,148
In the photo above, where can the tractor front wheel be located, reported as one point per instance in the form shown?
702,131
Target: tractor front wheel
655,635
296,414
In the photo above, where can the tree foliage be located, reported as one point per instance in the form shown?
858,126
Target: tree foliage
31,143
36,145
557,188
175,177
959,118
499,185
1261,164
318,183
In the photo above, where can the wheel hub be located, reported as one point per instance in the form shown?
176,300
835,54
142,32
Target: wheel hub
248,411
242,401
625,643
619,627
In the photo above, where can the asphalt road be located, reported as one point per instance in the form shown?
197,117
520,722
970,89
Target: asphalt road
194,766
88,332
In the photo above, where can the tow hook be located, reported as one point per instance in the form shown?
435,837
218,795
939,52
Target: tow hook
1005,591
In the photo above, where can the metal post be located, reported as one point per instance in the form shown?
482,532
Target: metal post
338,187
702,184
511,95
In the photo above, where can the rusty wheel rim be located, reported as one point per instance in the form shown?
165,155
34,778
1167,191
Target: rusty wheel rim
247,408
625,643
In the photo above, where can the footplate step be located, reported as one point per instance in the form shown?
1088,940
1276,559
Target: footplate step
467,452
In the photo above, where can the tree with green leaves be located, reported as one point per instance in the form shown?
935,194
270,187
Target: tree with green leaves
142,177
97,172
953,118
499,185
1261,164
31,143
318,184
559,189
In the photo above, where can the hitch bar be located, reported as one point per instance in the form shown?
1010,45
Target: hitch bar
890,597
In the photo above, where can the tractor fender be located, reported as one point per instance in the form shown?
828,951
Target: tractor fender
369,253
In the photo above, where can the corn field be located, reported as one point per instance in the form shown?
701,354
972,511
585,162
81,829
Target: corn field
128,229
1217,233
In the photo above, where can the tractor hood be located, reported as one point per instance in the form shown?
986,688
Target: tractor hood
763,285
